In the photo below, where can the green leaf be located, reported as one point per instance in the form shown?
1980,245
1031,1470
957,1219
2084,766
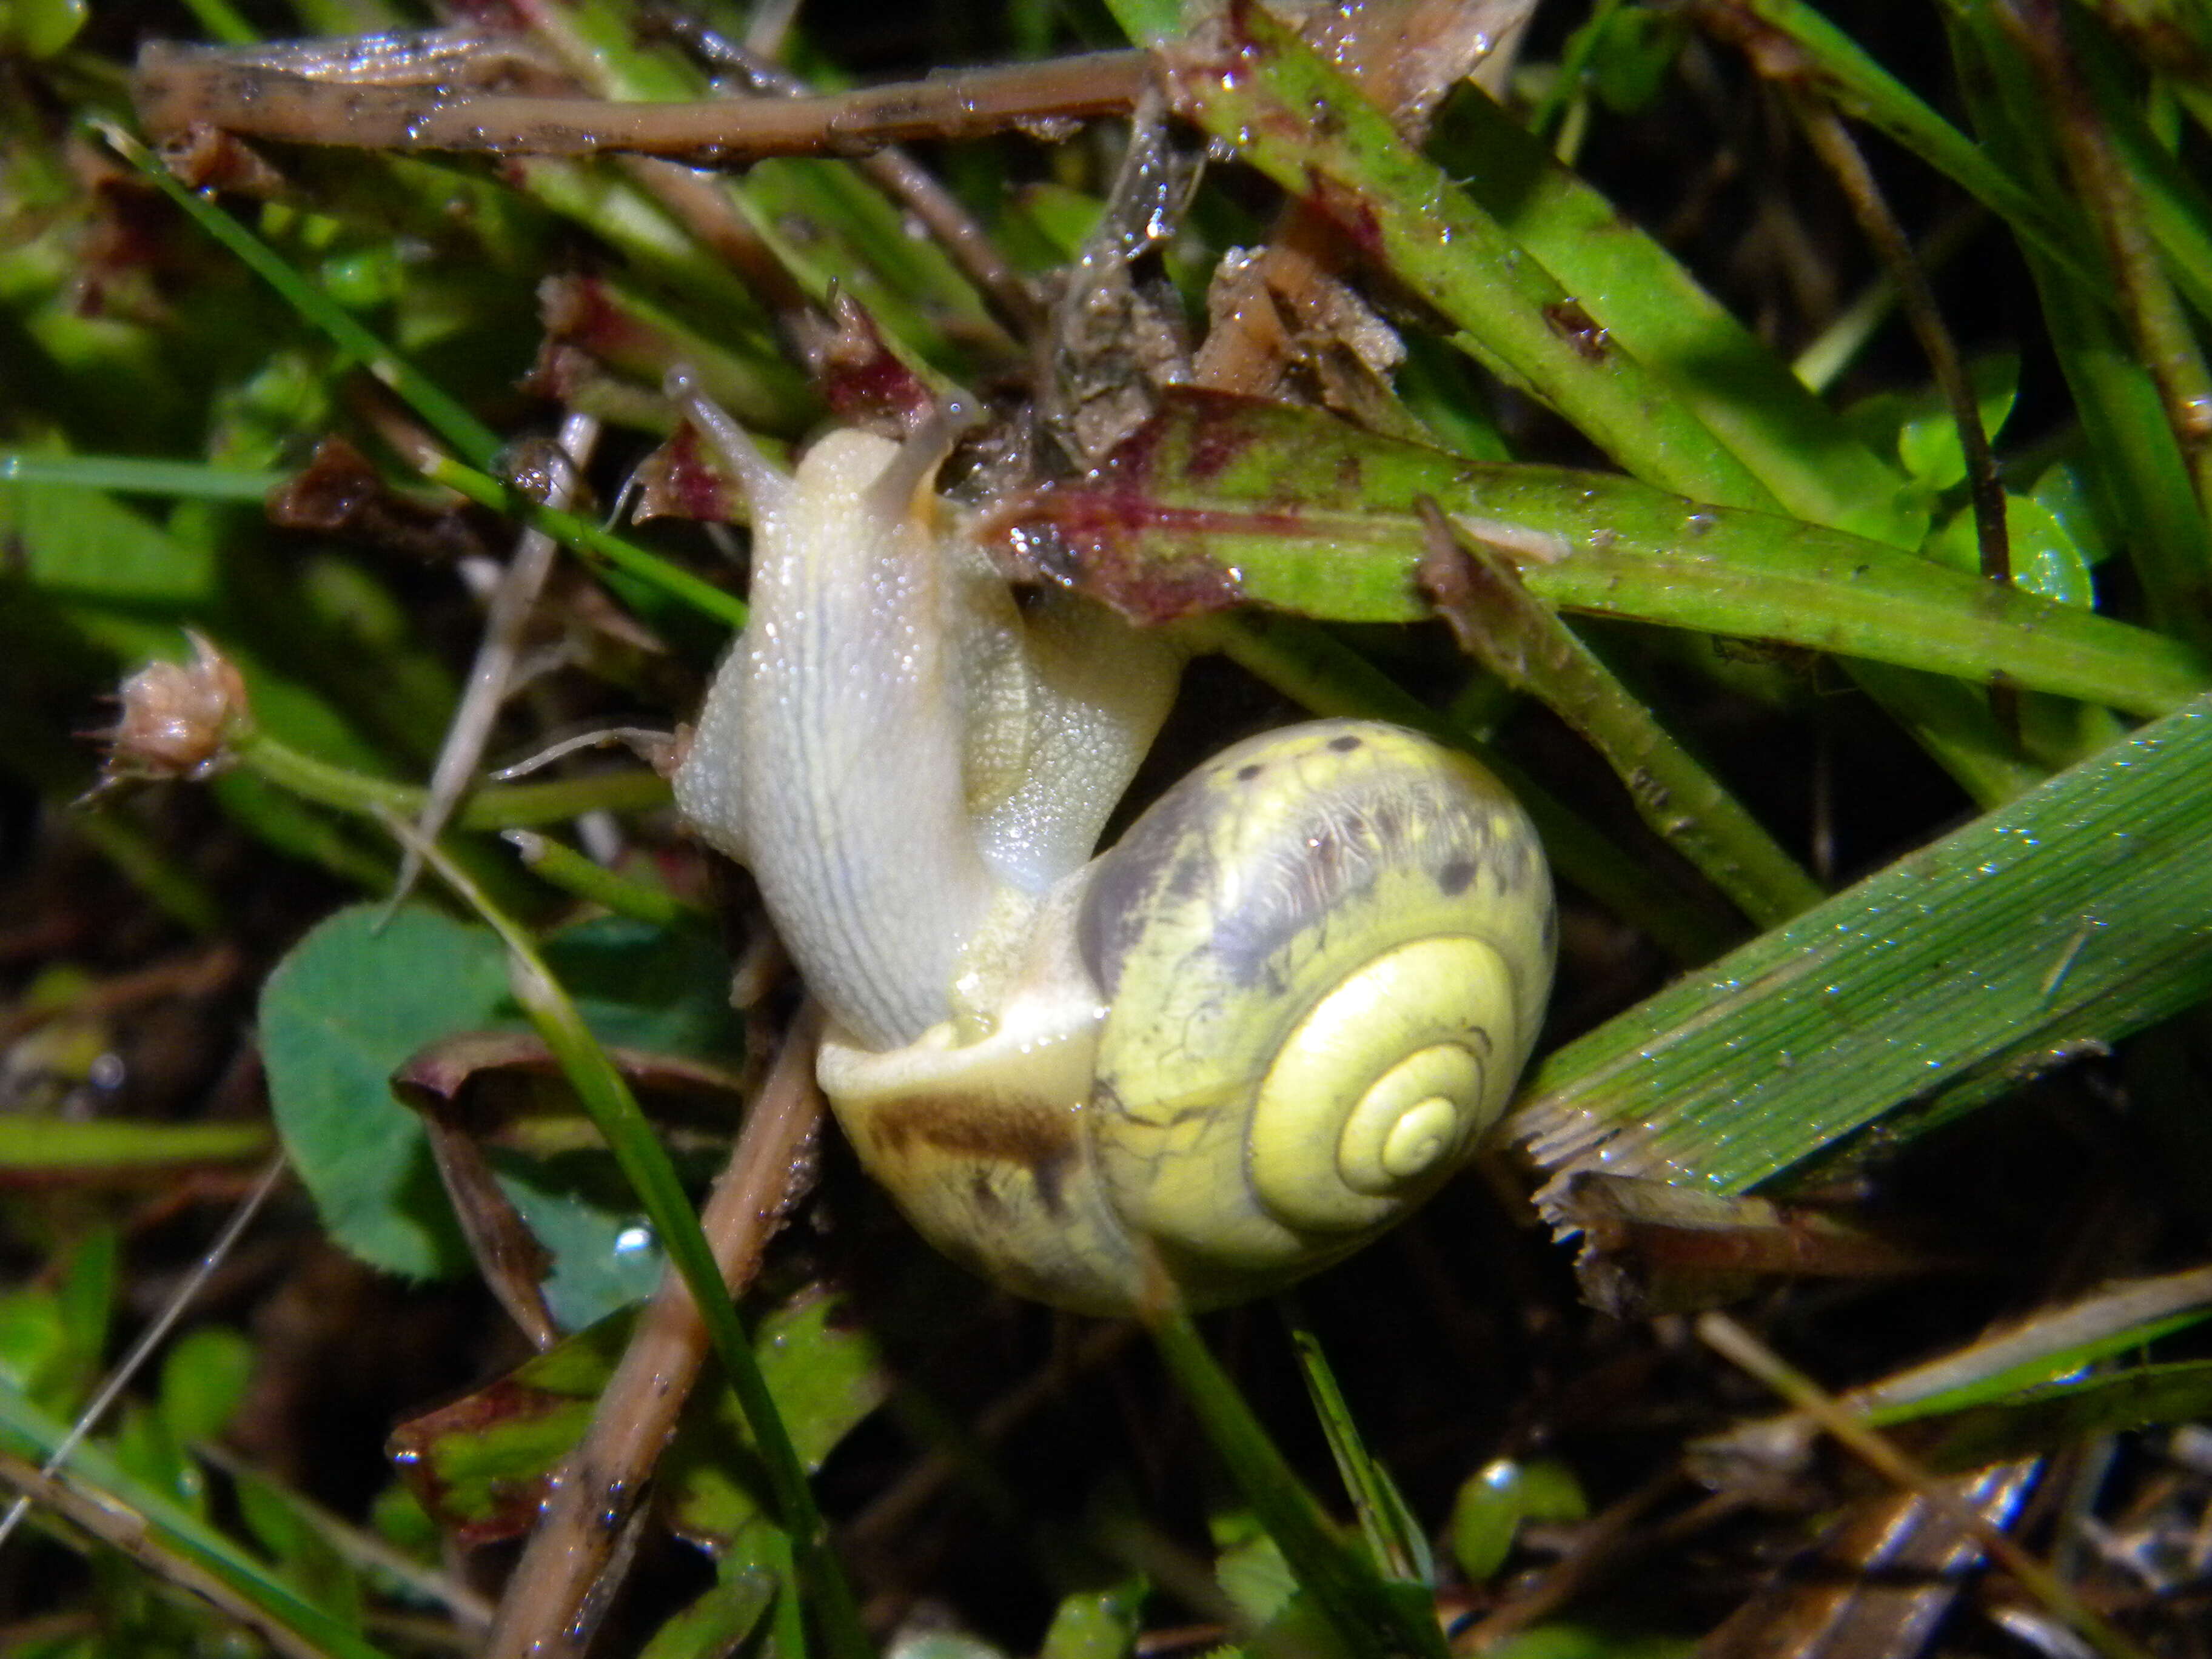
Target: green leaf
657,988
356,1000
604,1256
83,544
1550,1492
203,1378
1919,429
86,1296
717,1622
1634,48
1100,1624
34,1349
1486,1517
340,1013
1250,1568
478,1463
146,1449
2044,559
43,28
825,1375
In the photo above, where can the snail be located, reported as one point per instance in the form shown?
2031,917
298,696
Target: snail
1277,1014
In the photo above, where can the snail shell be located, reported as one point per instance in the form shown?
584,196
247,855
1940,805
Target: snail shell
1228,1051
1318,964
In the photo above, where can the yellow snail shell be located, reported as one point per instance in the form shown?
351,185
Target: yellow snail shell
1277,1014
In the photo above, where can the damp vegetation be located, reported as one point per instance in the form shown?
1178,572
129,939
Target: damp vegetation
1776,442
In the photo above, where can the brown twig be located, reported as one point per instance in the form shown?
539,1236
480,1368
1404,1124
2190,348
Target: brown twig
901,178
2146,297
181,88
551,1603
1841,155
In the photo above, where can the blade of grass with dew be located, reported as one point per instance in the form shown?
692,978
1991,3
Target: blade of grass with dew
2076,914
644,1162
1523,641
1547,220
1816,467
2048,1346
1647,305
175,1531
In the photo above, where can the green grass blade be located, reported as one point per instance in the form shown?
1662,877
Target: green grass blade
1862,86
178,480
1373,1622
176,1531
2065,921
1815,466
61,1147
597,546
1393,1537
1524,643
477,443
507,807
1408,213
2132,453
1222,498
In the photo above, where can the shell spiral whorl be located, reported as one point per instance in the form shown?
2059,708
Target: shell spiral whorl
1325,955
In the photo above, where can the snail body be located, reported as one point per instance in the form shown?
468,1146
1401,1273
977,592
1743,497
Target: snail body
1278,1013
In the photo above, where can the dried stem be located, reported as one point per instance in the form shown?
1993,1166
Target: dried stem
549,1603
500,648
181,88
1847,165
901,178
1733,1343
2102,182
